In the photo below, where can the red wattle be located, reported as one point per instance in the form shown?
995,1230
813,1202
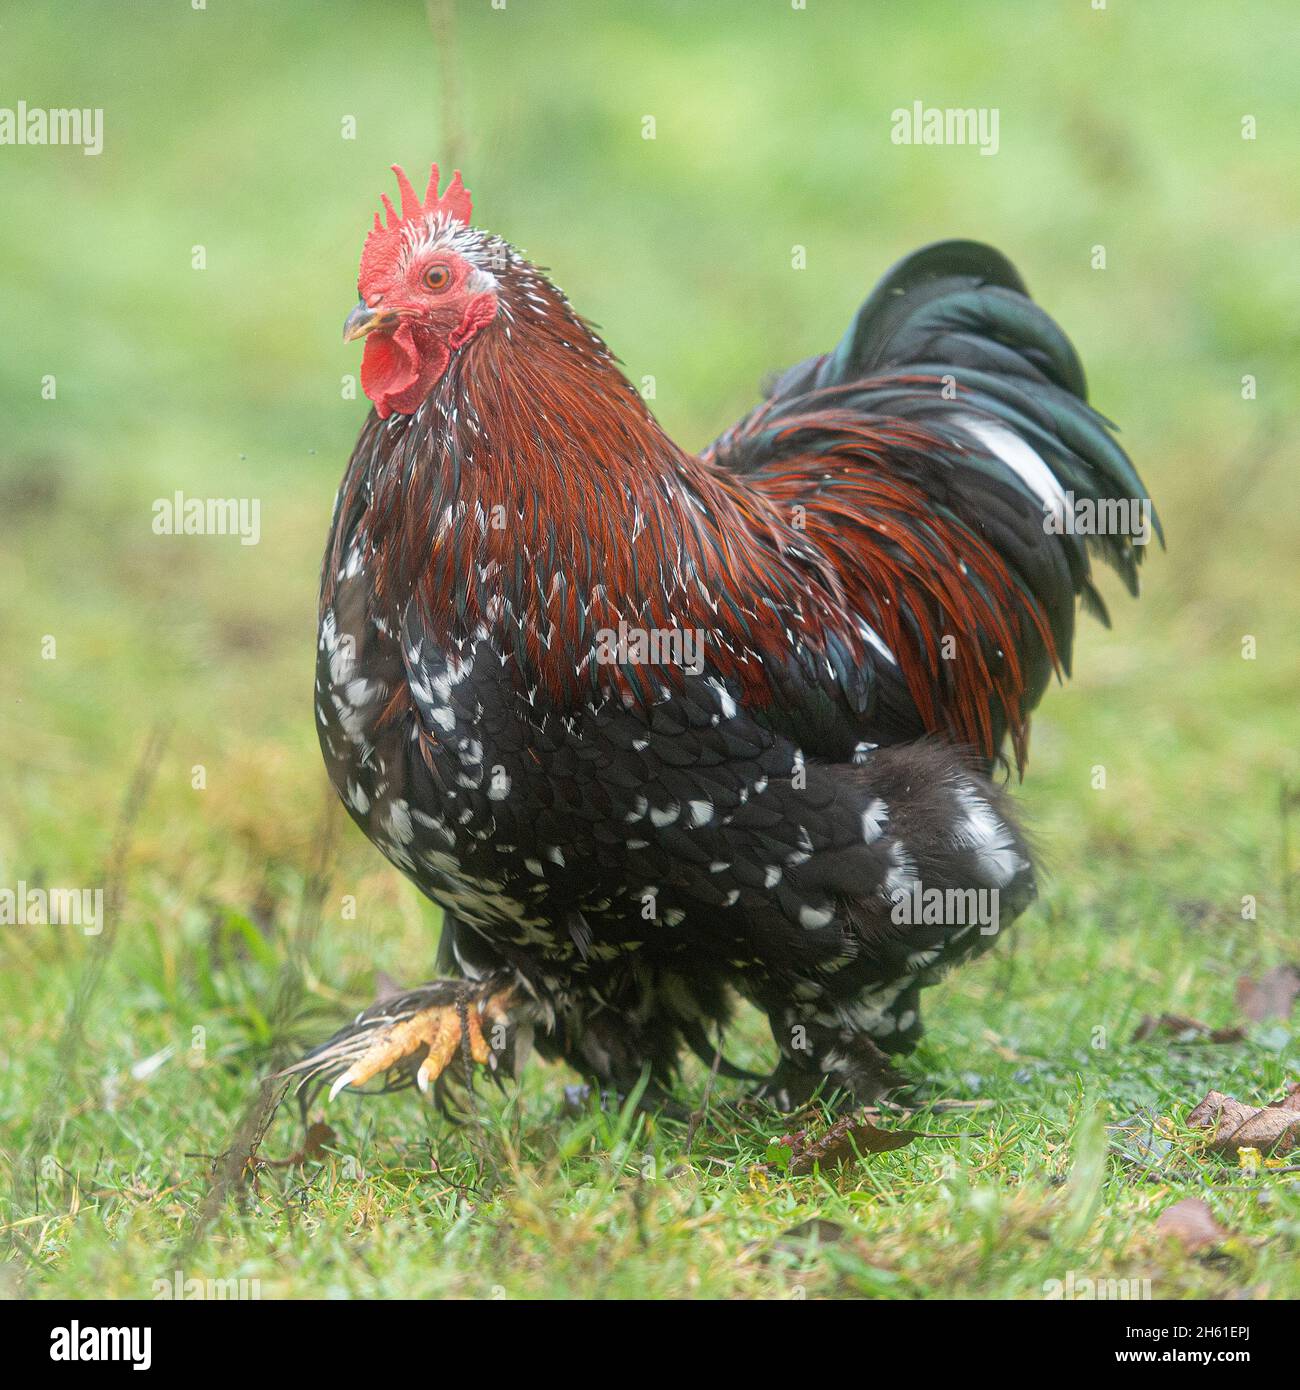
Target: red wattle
389,366
397,373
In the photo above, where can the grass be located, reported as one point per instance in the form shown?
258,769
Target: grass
234,875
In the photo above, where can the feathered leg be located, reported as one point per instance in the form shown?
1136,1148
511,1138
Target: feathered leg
947,870
633,1026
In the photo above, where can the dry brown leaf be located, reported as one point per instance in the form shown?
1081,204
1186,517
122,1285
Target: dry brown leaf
845,1141
1271,996
1192,1222
319,1136
1184,1029
1234,1126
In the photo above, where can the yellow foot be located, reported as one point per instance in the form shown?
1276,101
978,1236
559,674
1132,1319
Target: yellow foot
434,1025
438,1030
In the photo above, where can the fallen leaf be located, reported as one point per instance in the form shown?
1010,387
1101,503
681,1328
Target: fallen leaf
1271,996
1234,1125
319,1136
1184,1030
1192,1222
845,1141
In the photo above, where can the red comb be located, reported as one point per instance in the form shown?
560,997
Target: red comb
380,255
455,202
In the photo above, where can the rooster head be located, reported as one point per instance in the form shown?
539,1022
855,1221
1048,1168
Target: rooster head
426,291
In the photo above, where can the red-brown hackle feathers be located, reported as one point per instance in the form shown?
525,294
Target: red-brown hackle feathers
606,508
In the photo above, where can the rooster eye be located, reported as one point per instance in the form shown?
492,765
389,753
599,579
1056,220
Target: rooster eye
437,277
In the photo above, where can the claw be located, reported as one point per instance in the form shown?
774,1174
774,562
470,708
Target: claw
438,1031
342,1081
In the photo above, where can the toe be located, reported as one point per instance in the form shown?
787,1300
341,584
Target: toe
431,1026
441,1031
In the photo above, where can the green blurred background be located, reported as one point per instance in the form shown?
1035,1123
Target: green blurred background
224,128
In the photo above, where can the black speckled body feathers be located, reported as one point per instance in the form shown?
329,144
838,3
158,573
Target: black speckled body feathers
802,815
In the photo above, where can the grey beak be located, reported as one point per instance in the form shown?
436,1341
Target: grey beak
363,320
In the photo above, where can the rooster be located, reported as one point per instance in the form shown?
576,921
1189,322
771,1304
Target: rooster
660,731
